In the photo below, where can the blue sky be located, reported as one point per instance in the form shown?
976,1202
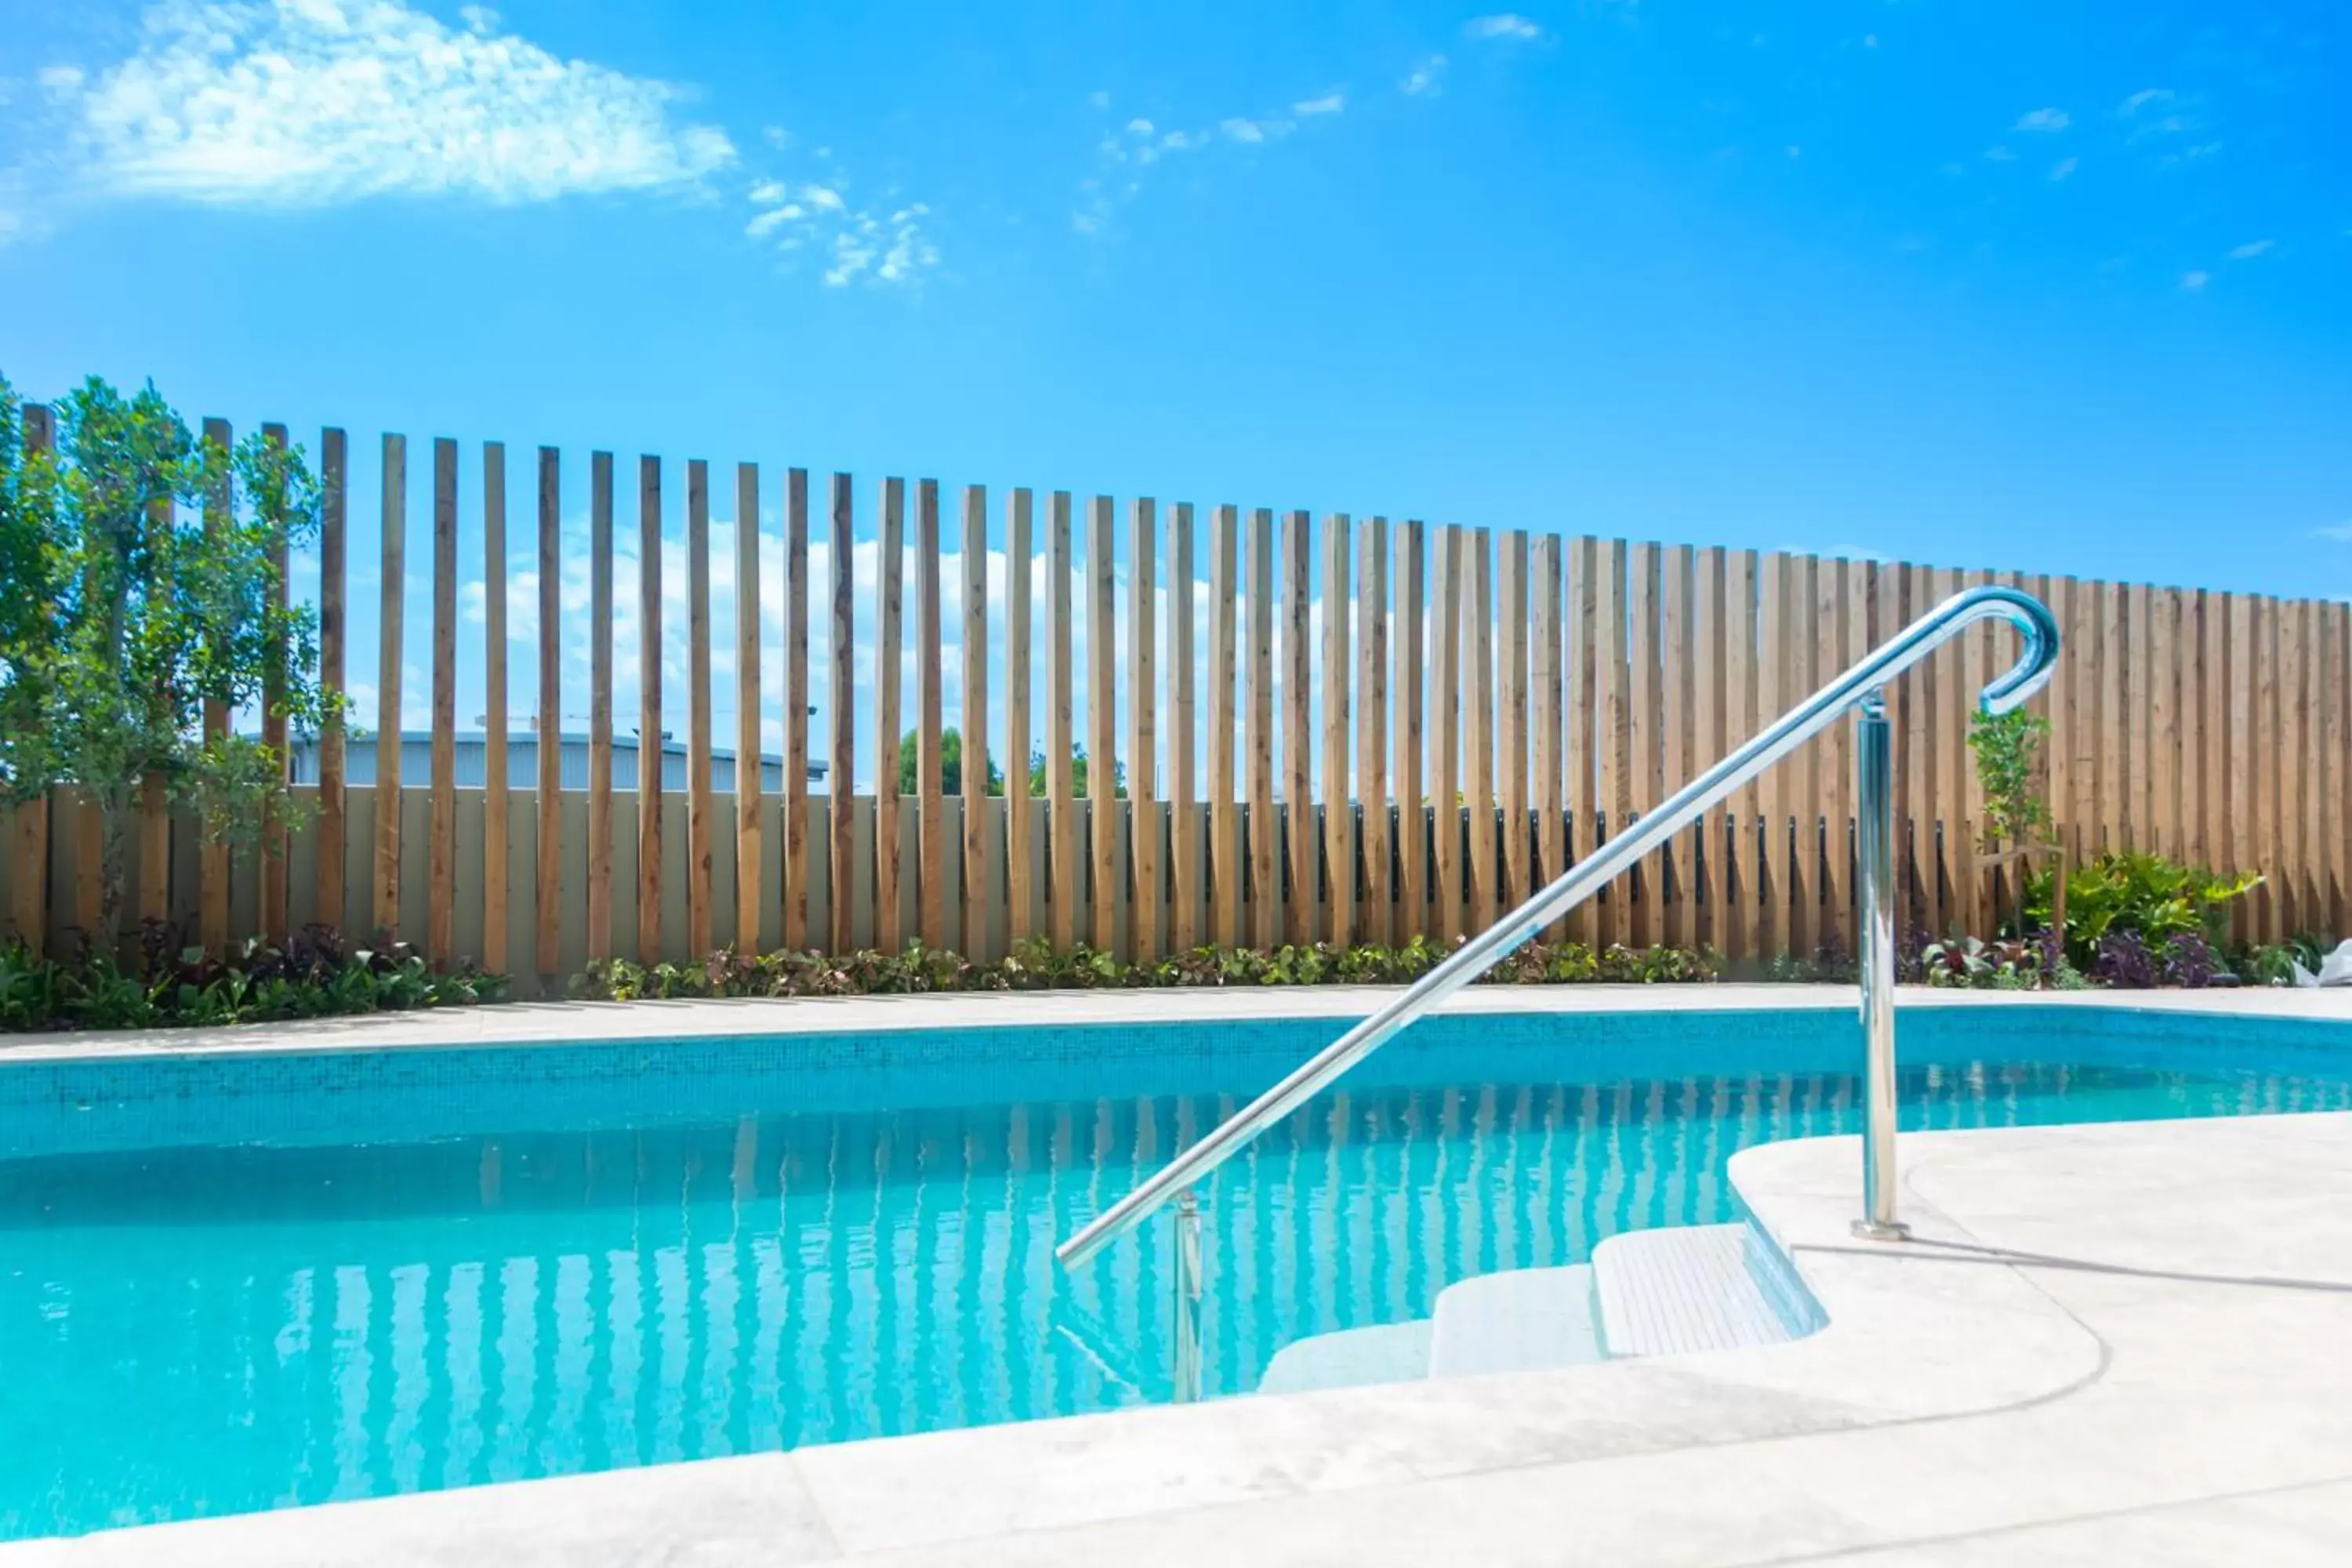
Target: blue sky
2048,286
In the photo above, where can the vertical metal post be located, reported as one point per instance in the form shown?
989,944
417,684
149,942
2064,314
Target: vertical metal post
1875,848
1187,1324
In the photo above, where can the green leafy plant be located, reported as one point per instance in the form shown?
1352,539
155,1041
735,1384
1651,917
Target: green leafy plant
2007,747
1034,965
144,577
2154,897
309,976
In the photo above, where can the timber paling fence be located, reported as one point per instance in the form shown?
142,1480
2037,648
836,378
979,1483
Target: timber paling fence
1489,707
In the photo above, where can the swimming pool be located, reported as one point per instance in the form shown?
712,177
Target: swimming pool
235,1282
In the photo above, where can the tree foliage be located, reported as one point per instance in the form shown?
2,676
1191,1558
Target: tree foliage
143,572
951,769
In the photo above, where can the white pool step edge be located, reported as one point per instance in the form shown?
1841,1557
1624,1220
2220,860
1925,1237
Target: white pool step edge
1667,1291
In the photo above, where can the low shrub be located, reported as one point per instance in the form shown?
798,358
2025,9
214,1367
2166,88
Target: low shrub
2158,900
1034,965
311,976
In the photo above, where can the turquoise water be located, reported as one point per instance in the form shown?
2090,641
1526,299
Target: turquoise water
413,1271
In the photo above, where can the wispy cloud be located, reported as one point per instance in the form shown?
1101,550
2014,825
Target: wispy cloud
2063,168
1250,131
1128,154
2194,282
2043,120
2339,532
307,103
2170,128
1504,25
1427,79
2251,249
1329,104
883,244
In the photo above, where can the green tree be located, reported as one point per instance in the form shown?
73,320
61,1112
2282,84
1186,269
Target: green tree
143,583
1077,775
950,766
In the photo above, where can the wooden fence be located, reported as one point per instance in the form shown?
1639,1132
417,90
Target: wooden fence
1486,709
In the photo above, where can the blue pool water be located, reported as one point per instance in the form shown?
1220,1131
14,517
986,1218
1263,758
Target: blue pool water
235,1283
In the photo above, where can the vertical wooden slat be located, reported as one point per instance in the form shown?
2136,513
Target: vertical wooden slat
600,715
1833,624
2337,736
1406,649
974,736
1742,721
1800,677
700,809
2164,722
274,839
1264,903
1613,698
1677,906
1060,682
1445,738
1478,733
1918,762
2139,706
1949,807
2189,711
441,882
751,781
2291,767
889,622
1512,714
1339,811
1142,749
212,859
1102,721
2270,850
1225,871
1184,734
392,576
154,803
1019,889
1584,748
1976,914
495,779
1712,721
1772,656
1373,921
1549,695
2073,741
1645,739
2244,818
549,801
2115,772
334,575
649,709
1297,690
796,697
2214,722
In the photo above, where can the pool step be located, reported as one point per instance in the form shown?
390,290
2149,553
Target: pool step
1518,1321
1645,1292
1351,1358
1682,1289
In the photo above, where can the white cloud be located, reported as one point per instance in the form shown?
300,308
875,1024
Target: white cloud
1329,104
2063,168
1504,25
2341,532
2000,155
2144,99
303,103
1425,79
2195,281
1253,132
889,244
2043,120
2251,249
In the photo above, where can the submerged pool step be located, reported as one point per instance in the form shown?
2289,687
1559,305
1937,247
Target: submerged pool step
1351,1358
1682,1289
1645,1292
1521,1319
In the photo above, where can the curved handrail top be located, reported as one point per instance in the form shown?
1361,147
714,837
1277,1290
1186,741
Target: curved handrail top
2035,625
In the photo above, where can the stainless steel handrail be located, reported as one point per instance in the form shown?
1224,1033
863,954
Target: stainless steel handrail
1858,686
